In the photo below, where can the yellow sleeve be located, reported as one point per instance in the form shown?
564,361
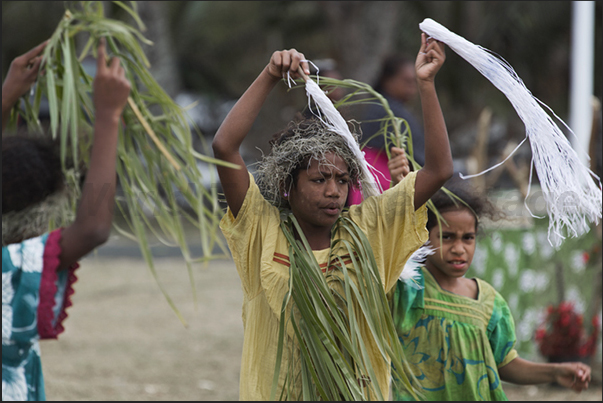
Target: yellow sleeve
247,234
508,358
393,227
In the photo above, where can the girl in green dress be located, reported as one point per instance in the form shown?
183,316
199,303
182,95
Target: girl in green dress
458,332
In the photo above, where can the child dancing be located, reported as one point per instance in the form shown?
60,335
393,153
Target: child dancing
309,172
457,332
37,266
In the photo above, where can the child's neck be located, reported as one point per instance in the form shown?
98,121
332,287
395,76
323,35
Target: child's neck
456,285
320,244
318,240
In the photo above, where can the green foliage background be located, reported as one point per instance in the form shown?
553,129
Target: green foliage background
521,265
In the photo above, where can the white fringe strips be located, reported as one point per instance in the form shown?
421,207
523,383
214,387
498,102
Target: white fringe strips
331,117
571,195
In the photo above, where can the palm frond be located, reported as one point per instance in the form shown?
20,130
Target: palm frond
329,357
156,160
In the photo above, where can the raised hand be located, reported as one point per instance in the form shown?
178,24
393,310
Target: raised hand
21,75
111,88
430,58
285,61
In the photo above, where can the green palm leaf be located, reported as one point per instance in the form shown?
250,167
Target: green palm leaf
328,358
156,159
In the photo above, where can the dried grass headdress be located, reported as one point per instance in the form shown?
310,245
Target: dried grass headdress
303,141
36,219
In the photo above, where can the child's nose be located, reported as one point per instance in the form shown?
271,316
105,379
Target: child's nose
458,247
332,188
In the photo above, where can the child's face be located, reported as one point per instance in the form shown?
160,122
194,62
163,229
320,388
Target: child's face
403,85
320,193
454,253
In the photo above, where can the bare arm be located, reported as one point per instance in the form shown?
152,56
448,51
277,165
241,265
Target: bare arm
438,158
574,375
239,120
21,75
94,216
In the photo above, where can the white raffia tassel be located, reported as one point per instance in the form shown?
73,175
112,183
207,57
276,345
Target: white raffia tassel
331,117
572,197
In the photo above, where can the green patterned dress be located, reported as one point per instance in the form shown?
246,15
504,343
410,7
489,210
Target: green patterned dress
454,344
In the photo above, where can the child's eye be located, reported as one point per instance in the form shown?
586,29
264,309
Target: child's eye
344,181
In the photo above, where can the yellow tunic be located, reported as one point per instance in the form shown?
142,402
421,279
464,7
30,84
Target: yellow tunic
260,251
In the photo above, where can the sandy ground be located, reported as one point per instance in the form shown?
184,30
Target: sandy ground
124,342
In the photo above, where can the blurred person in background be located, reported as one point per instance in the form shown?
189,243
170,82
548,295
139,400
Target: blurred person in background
398,84
328,68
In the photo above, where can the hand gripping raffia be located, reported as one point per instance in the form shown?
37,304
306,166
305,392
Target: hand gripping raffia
572,197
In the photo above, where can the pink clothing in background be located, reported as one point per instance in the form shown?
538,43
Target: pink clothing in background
377,158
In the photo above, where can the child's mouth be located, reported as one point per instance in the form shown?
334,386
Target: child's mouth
332,209
458,264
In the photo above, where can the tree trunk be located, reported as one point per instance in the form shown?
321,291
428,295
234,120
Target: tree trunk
363,34
161,54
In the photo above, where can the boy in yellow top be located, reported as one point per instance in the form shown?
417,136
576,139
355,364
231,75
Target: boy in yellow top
309,172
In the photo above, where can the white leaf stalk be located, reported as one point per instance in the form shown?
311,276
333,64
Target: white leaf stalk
572,197
331,117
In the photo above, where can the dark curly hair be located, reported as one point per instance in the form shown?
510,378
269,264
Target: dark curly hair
472,200
31,171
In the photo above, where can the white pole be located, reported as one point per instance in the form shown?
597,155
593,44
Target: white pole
582,76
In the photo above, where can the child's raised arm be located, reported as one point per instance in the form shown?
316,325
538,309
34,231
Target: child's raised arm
94,216
239,120
438,158
21,75
573,375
